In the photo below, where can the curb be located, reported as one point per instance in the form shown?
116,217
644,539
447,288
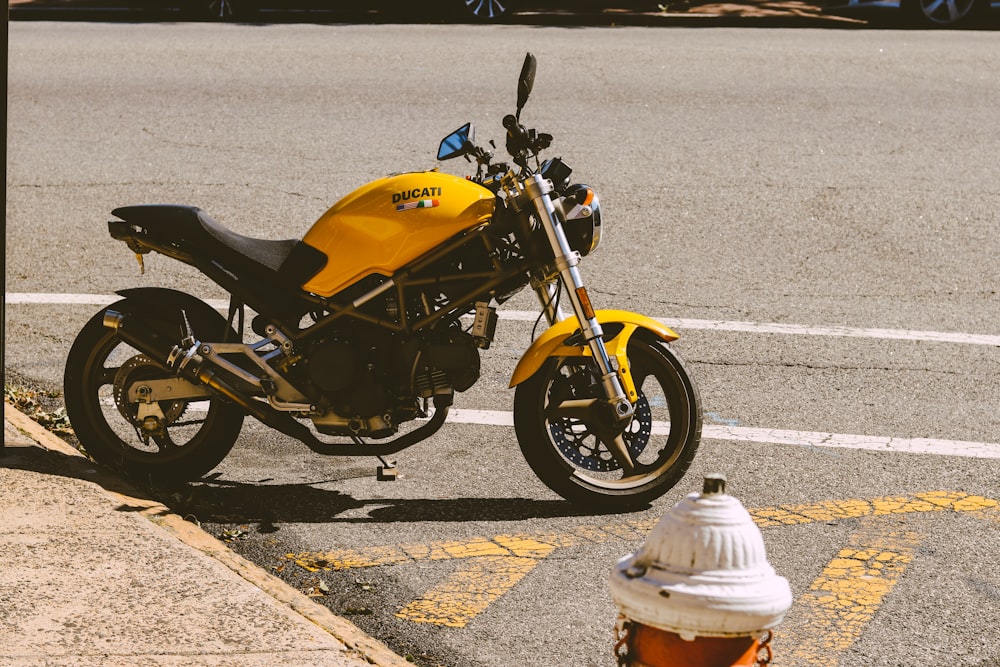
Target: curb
350,635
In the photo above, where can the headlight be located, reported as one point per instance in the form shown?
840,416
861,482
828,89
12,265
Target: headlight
583,218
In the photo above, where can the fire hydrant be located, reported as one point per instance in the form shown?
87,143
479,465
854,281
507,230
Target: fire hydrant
700,591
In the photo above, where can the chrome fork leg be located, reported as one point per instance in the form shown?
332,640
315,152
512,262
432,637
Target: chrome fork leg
566,260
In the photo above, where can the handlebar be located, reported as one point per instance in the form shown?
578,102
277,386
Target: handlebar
517,136
522,142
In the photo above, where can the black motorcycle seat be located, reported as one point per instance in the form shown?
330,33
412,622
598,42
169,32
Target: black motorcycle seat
189,226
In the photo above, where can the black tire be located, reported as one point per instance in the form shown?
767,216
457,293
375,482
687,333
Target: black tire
195,439
571,461
945,13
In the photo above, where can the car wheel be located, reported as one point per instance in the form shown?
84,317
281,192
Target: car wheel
945,13
485,10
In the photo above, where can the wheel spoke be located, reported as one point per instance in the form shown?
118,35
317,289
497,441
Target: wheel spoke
485,8
221,9
107,376
621,454
581,409
933,7
163,442
946,12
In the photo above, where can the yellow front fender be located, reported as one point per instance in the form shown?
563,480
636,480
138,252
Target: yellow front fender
552,343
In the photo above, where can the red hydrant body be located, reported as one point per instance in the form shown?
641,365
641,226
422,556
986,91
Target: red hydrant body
699,592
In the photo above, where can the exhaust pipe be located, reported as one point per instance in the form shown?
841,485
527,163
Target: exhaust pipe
164,351
161,349
133,331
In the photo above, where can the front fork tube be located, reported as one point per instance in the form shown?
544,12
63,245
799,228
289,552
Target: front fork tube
538,189
547,295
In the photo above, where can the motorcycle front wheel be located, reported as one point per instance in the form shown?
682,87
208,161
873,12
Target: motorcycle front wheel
192,435
566,453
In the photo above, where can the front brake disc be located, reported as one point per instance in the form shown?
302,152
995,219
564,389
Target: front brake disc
581,446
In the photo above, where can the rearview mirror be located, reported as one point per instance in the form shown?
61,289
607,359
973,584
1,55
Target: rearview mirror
526,81
457,142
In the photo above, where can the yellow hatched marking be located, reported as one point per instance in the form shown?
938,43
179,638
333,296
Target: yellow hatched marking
827,619
346,559
469,591
495,565
933,501
350,558
525,544
472,549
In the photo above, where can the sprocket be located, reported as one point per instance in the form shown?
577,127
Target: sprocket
138,368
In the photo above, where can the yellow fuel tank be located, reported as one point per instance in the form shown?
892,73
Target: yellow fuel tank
382,226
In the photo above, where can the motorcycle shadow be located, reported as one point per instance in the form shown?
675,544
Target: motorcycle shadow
215,500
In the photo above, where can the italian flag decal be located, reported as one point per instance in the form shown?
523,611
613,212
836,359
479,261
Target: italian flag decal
423,203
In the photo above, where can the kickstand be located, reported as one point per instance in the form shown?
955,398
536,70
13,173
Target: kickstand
387,472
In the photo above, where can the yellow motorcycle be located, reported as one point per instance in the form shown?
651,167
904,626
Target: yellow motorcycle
362,331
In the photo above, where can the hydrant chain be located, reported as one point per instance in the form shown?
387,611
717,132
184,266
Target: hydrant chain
623,638
765,648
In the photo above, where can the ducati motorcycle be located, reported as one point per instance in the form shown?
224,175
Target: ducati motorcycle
362,332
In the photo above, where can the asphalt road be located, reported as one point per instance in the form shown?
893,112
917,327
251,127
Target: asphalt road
839,184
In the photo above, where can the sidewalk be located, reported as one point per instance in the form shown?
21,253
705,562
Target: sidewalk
95,574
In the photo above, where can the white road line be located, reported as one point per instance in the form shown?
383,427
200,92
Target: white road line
801,329
987,450
529,316
42,298
65,299
979,450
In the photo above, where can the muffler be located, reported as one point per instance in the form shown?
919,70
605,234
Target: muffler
171,355
163,350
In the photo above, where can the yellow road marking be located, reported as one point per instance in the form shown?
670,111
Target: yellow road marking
631,531
469,591
933,501
534,545
828,618
494,566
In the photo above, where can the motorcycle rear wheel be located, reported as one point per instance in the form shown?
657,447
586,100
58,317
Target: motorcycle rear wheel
570,459
196,434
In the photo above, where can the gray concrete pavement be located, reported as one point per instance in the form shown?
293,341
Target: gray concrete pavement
96,574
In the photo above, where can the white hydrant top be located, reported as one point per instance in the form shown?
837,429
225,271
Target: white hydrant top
702,572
